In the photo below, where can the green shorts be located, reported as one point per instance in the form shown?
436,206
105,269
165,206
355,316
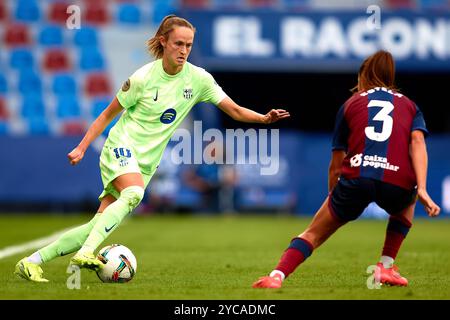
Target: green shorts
115,162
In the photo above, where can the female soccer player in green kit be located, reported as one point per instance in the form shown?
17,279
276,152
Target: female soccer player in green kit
155,100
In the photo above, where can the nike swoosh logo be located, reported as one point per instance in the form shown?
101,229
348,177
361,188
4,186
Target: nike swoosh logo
156,98
109,229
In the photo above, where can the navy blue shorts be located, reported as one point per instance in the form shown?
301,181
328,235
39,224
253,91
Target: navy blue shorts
350,197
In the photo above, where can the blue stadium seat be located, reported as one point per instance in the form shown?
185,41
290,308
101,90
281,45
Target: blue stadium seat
98,105
86,36
3,84
227,4
64,84
162,8
27,11
29,82
292,4
38,125
3,128
21,59
33,106
51,35
67,106
129,13
434,4
91,59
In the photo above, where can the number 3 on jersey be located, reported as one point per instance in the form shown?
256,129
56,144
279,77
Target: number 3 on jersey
382,115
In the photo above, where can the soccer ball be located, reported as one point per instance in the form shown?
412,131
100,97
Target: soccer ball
119,264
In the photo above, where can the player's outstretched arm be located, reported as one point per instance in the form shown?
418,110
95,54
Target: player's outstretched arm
96,128
419,157
242,114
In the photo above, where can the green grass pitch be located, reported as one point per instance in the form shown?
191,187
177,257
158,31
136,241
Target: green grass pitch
219,257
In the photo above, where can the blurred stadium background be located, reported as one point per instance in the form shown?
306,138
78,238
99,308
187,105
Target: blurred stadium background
302,55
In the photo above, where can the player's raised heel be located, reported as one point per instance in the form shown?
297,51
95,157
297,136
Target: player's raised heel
389,276
29,271
268,283
86,260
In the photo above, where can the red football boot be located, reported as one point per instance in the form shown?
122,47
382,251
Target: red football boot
268,282
389,276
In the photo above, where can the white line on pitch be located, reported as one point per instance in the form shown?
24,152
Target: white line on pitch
34,244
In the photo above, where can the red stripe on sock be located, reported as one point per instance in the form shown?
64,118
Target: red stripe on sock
289,261
392,244
395,236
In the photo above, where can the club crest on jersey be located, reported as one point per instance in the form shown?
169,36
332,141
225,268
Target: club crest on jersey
168,116
187,93
123,162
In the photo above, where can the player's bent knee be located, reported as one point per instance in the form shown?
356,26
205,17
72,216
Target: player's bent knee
132,195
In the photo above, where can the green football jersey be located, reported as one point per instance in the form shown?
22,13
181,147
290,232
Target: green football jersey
155,104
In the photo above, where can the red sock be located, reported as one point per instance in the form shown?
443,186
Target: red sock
295,254
396,232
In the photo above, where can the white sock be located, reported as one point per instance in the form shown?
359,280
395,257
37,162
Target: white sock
387,262
35,258
275,272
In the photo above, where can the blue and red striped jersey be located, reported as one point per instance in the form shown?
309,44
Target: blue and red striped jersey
374,128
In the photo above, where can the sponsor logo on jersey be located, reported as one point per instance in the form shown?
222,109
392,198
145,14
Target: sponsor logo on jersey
168,116
187,93
126,85
372,161
356,160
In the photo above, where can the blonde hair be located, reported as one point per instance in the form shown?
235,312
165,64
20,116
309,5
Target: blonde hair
167,25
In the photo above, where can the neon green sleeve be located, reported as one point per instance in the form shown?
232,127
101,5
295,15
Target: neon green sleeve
130,92
212,92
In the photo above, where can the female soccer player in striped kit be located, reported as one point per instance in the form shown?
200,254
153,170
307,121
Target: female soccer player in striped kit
156,98
378,154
